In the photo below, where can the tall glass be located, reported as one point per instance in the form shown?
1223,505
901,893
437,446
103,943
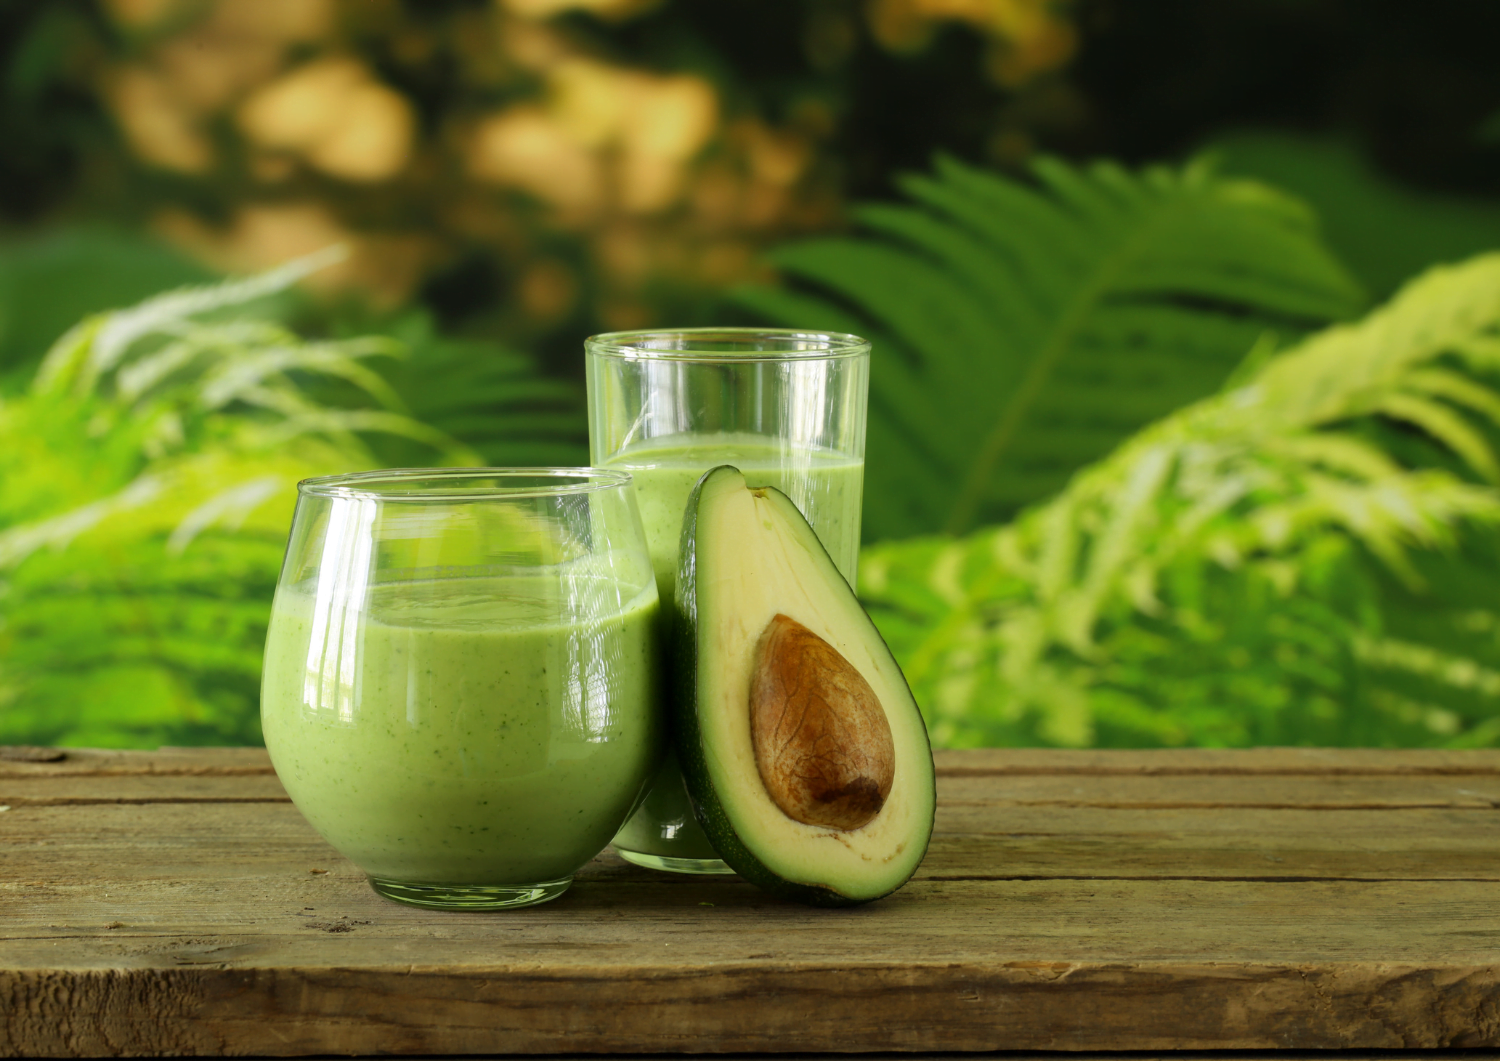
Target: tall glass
788,409
461,688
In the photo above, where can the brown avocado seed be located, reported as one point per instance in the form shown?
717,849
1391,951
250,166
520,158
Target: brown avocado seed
822,742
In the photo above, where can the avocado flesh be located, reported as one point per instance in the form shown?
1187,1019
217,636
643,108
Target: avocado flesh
749,559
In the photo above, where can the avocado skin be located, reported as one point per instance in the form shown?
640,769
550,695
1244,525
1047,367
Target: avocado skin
706,805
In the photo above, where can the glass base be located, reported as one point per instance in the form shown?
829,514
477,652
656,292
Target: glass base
675,865
469,896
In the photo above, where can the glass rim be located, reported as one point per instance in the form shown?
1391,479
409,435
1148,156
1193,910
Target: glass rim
366,485
633,345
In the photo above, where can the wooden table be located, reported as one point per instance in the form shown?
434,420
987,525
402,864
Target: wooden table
175,902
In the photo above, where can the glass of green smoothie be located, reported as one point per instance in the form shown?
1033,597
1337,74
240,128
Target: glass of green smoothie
461,688
787,408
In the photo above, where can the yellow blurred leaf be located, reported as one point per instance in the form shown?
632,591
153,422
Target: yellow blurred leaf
283,20
159,124
138,14
337,115
1028,37
373,138
527,148
669,117
608,9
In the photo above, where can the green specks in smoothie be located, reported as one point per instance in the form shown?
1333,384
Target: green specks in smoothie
486,788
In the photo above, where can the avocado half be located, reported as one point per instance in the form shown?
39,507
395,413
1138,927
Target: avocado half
804,753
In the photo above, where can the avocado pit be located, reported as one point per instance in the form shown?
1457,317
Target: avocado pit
822,743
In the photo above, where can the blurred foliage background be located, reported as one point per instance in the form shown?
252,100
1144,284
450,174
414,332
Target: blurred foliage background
1062,343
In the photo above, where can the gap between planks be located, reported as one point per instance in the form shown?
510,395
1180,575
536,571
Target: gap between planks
1023,1055
1007,1055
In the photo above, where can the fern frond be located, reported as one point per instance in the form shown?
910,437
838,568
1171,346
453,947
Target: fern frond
97,345
147,479
1460,390
1445,425
490,400
249,369
1255,522
1021,332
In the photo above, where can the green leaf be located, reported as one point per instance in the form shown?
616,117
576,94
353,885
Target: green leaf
1254,568
490,399
147,478
1385,231
49,283
1022,331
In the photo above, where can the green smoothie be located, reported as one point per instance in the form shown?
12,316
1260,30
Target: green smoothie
466,730
826,487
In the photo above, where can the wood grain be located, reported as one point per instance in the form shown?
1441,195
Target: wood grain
1191,762
174,902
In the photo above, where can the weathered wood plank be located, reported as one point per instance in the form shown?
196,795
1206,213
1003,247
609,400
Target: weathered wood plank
1339,791
1346,792
1192,762
1282,777
293,921
951,858
175,762
974,762
624,966
85,789
826,1006
1160,904
145,842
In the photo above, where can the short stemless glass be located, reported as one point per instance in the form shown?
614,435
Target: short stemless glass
785,407
461,683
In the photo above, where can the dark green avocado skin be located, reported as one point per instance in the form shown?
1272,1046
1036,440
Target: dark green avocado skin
706,805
